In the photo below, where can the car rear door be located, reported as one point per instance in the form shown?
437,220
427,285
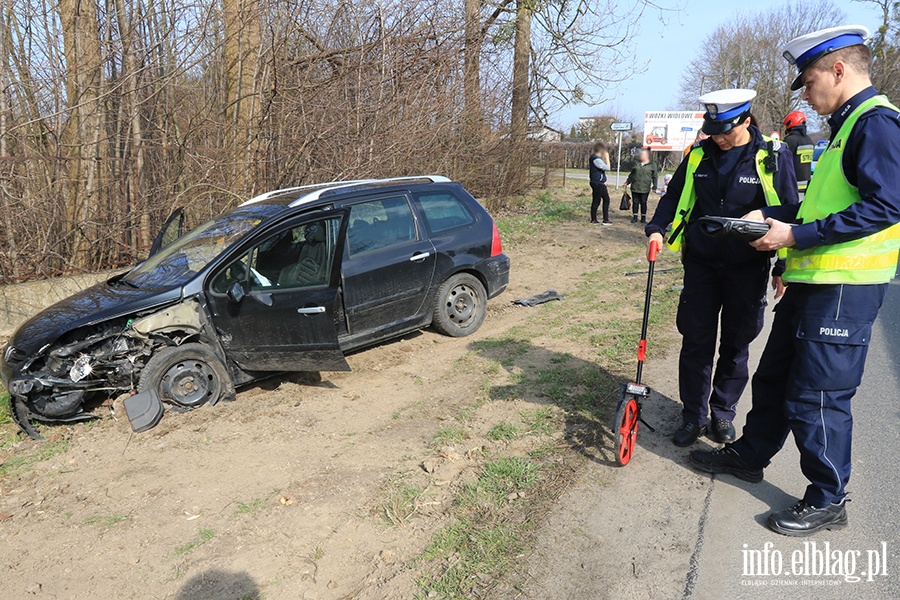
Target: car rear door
284,312
388,267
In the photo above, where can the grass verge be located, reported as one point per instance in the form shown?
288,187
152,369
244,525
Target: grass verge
569,358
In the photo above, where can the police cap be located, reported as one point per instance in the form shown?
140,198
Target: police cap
805,50
725,109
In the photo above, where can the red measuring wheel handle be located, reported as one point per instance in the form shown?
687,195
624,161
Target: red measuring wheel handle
652,250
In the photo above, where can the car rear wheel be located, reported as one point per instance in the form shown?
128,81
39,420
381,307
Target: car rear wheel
189,375
460,305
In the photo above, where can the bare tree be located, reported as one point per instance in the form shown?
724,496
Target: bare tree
885,44
114,112
746,52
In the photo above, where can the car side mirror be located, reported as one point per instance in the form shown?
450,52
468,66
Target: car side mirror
236,292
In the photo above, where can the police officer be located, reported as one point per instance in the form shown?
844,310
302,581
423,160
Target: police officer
733,172
842,252
801,146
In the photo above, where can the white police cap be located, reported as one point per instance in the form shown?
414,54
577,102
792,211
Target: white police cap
725,109
805,50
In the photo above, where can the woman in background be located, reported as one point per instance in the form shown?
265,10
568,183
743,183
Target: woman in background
599,165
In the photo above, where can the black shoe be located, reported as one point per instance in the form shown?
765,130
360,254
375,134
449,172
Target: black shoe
687,434
634,219
643,219
725,460
805,519
722,431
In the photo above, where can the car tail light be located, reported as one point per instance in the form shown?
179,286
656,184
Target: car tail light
496,245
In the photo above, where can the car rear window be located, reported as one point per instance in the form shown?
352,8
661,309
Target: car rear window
380,224
444,211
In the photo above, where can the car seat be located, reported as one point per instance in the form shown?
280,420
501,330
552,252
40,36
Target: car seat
310,266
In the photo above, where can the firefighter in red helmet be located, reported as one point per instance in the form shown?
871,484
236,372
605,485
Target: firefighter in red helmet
801,146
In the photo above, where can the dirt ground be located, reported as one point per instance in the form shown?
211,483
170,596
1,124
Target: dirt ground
336,485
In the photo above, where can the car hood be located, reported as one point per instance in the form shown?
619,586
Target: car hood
95,304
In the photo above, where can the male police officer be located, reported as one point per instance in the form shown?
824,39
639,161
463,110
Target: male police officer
842,254
801,146
736,171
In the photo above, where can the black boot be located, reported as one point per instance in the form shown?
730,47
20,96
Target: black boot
722,431
805,519
687,434
725,460
634,219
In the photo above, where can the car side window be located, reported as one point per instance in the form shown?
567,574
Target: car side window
444,211
295,258
379,224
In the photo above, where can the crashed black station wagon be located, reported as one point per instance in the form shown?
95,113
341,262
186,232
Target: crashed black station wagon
288,281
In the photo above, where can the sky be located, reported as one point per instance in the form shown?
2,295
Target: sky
669,47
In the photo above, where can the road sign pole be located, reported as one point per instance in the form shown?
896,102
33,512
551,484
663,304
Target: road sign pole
619,164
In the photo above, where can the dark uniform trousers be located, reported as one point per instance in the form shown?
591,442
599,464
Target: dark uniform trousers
736,293
807,376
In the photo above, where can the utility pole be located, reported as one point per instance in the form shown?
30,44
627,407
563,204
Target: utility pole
619,163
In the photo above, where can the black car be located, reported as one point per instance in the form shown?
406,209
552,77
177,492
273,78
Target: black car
288,281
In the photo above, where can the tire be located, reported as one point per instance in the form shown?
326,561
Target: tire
460,305
625,429
189,375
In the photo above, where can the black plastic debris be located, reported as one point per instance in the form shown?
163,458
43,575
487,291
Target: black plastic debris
539,298
144,410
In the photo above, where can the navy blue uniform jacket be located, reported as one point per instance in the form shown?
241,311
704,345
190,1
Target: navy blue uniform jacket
869,162
733,194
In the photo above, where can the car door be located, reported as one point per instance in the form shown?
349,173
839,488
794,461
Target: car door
388,266
276,305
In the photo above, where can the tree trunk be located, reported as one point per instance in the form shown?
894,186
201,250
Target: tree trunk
9,234
134,160
241,53
521,98
473,118
84,130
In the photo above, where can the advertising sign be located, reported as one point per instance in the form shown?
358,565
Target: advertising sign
671,131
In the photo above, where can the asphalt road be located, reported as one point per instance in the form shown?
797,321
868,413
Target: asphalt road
732,530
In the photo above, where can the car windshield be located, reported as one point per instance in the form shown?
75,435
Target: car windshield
189,254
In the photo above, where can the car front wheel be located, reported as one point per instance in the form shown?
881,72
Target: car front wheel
460,305
189,375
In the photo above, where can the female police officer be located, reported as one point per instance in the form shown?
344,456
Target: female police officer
733,172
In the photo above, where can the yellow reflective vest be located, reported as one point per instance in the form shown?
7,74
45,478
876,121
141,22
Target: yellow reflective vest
689,197
868,260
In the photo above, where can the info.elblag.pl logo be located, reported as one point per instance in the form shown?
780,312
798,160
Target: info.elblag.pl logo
815,563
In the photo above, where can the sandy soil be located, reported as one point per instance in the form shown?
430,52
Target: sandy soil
286,492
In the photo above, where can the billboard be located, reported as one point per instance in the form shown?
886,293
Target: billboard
671,131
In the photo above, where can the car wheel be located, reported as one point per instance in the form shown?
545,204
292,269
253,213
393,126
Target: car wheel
189,375
460,305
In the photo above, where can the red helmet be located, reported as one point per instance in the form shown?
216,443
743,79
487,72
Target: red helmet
794,119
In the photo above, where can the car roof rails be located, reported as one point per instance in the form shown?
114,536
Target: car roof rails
316,190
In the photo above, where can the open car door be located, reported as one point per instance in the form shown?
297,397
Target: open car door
277,305
171,230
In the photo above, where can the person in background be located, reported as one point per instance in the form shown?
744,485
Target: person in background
665,186
598,166
725,280
801,146
700,137
642,179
